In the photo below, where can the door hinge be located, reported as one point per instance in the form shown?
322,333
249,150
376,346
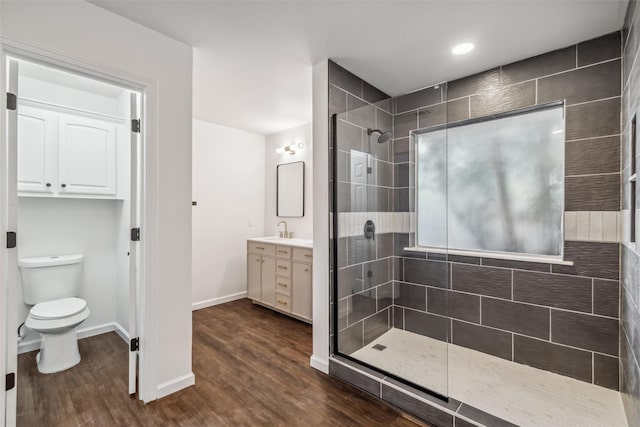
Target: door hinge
12,101
10,381
11,239
135,234
135,125
134,345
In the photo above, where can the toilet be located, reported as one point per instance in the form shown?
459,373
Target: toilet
52,285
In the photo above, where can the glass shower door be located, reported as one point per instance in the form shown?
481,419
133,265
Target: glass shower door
390,301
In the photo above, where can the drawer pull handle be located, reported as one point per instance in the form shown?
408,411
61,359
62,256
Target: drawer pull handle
282,267
308,255
306,269
282,302
282,284
260,247
283,252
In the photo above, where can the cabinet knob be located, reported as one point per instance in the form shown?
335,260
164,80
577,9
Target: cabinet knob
64,185
48,184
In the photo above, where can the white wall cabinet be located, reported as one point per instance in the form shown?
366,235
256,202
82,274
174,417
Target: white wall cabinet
66,155
279,276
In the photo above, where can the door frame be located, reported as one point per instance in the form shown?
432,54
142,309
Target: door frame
148,214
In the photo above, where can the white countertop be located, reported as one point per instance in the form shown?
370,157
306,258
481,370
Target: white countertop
301,243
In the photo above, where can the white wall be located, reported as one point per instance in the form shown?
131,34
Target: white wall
228,184
90,37
56,226
302,227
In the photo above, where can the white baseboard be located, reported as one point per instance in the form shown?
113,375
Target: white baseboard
31,345
319,364
220,300
176,384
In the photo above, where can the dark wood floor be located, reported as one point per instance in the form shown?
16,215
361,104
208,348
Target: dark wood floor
251,367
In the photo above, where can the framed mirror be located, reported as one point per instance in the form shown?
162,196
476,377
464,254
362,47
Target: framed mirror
290,194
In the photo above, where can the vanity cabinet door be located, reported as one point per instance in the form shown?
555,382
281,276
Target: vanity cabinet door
301,290
86,156
268,280
36,150
254,276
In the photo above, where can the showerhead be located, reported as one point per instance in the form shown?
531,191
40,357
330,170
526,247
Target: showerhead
384,136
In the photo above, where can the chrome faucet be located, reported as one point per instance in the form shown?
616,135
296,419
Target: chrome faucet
285,234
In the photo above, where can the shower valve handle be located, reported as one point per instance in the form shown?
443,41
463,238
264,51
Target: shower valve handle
370,230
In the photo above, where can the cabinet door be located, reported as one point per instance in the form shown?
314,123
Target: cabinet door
301,290
36,150
86,156
254,276
268,280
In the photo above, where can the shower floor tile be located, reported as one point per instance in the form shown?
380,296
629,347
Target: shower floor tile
516,393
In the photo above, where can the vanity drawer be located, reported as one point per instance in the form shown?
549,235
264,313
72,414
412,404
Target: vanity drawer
303,254
283,285
262,248
283,251
283,267
283,302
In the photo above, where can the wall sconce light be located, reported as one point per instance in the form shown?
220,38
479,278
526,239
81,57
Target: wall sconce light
291,149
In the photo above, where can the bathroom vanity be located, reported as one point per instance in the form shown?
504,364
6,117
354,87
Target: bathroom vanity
279,275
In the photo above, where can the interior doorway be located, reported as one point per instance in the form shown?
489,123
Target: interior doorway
71,200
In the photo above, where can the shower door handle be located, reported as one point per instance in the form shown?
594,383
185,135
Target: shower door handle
370,230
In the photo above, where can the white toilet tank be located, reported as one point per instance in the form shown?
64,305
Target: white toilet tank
51,277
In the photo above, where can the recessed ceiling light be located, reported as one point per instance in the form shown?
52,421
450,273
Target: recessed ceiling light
462,48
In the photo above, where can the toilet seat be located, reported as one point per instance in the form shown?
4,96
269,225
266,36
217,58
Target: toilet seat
57,309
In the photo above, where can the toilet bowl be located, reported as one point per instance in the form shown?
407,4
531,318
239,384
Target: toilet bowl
51,284
57,321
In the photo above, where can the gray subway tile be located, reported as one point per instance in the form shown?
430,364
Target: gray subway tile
384,121
591,259
360,113
342,252
482,417
426,272
418,99
343,310
486,340
360,249
376,273
401,202
384,295
398,317
552,290
401,150
361,305
605,371
482,280
350,339
353,377
503,99
376,325
384,246
582,85
538,66
453,304
585,331
487,80
630,267
412,296
404,123
384,173
424,411
464,259
349,137
592,156
606,297
560,359
425,324
518,265
345,79
599,49
593,119
458,110
524,319
401,174
337,100
432,116
350,281
592,193
374,95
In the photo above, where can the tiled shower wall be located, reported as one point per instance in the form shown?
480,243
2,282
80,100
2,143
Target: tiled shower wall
630,265
365,189
554,317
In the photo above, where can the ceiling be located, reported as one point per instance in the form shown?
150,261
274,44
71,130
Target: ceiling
253,59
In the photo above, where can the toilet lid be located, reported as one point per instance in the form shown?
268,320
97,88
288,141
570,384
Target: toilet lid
57,309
